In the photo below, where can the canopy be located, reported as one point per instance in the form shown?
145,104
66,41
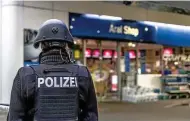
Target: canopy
115,28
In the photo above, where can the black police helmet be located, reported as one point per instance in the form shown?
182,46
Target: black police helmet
53,30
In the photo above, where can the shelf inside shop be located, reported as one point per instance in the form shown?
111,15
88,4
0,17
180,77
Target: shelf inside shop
177,83
178,91
176,87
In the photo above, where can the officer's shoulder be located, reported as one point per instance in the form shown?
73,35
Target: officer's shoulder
83,70
81,66
26,70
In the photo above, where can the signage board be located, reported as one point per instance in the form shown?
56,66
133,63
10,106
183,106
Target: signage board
92,26
101,27
181,58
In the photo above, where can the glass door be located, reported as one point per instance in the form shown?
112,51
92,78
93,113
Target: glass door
102,65
100,57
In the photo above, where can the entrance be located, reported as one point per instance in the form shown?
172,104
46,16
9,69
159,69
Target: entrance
103,67
102,60
110,71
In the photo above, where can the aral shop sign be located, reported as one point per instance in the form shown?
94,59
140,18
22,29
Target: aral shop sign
127,30
93,26
184,58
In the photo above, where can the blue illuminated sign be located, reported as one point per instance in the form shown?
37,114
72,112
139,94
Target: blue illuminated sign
95,26
115,28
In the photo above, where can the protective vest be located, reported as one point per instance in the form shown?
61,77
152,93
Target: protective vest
56,93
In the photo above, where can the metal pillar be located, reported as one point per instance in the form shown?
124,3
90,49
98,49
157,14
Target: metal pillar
101,57
162,65
136,63
0,51
83,51
183,53
119,70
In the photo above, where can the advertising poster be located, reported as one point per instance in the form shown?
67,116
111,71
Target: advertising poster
30,53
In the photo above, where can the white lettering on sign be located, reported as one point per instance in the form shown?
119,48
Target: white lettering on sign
58,82
131,31
116,29
183,58
124,30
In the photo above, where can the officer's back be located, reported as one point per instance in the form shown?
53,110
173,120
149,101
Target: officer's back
57,89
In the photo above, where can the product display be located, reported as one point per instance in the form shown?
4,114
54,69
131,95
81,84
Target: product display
137,94
176,86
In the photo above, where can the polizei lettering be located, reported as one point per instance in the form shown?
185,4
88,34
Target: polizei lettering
60,82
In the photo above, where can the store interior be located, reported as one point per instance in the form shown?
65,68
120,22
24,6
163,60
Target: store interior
172,57
101,60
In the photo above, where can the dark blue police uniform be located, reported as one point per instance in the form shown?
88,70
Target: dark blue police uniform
57,89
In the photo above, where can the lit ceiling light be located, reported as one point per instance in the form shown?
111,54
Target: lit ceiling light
148,70
157,63
133,45
71,27
73,19
111,71
91,15
176,63
130,44
78,41
110,17
146,29
75,42
106,17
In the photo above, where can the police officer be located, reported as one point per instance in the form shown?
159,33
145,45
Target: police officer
56,89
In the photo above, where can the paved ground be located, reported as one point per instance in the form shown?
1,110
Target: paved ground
158,111
144,112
